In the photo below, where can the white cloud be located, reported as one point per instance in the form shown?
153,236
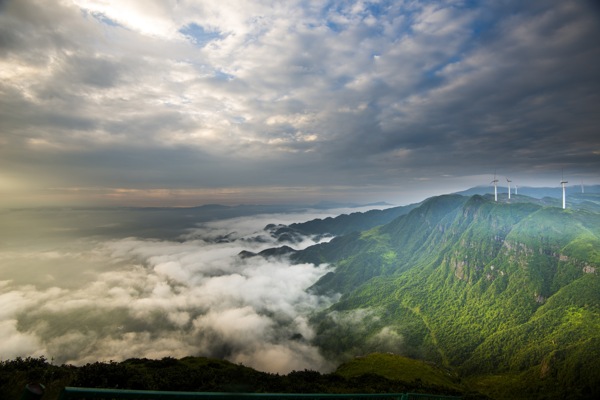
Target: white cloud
18,344
153,18
292,93
157,298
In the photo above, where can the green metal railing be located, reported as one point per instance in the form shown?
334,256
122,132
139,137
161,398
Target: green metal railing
72,393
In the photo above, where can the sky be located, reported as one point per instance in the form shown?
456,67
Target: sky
180,103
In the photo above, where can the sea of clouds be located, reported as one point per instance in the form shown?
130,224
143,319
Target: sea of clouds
97,299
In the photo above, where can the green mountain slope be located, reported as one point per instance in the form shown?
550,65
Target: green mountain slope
384,250
487,287
400,368
347,223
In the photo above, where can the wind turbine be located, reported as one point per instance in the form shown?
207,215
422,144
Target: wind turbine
563,183
516,189
508,181
495,182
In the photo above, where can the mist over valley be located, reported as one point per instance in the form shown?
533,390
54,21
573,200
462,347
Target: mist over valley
455,281
327,196
77,288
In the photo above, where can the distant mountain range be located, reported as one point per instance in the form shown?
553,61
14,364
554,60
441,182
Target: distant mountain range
490,299
505,293
535,192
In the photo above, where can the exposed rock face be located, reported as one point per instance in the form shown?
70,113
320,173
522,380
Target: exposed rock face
589,269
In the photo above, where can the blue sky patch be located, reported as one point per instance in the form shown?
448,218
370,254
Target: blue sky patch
223,76
198,35
104,19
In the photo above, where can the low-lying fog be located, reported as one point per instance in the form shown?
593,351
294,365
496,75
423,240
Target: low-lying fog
80,286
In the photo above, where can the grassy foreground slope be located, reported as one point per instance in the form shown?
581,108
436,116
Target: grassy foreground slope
400,368
491,288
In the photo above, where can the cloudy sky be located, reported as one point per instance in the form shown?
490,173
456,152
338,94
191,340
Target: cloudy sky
187,102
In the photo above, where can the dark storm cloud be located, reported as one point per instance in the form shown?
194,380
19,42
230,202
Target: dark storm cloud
94,71
529,88
20,116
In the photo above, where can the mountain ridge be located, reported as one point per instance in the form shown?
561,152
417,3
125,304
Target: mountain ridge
457,279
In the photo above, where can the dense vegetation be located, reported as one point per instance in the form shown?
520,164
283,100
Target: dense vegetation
212,375
500,298
355,222
494,289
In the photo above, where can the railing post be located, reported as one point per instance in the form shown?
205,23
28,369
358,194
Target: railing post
33,391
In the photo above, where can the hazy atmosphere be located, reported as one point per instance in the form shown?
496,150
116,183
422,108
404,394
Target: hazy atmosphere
79,289
115,116
182,103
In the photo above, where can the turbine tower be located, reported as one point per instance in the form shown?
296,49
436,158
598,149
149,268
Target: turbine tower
508,181
516,189
495,182
563,183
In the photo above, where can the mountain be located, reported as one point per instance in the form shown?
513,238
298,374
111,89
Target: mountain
551,196
333,204
505,293
347,223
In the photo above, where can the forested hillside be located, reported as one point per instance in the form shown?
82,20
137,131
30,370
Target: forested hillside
494,298
199,374
506,293
347,223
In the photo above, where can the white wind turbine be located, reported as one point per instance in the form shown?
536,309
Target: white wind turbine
563,183
508,181
495,182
